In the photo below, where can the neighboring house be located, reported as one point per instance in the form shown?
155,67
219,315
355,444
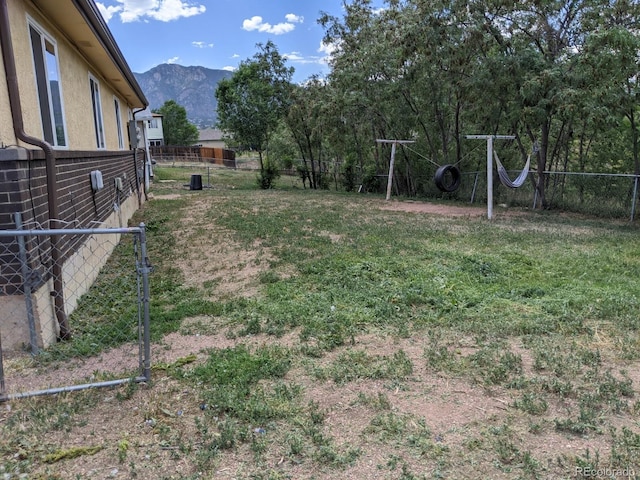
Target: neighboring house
152,132
66,105
213,148
211,137
152,124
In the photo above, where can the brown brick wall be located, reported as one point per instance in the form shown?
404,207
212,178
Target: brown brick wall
23,188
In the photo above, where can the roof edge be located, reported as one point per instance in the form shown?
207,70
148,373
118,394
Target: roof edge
92,15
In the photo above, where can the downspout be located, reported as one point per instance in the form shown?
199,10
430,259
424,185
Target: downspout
135,161
50,159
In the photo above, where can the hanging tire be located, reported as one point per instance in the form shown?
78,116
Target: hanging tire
448,178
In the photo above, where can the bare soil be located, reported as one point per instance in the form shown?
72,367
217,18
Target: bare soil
141,437
434,209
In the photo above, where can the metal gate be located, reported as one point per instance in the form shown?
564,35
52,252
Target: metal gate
74,309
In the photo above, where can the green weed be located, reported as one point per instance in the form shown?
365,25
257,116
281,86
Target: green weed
376,402
532,404
357,364
231,378
338,268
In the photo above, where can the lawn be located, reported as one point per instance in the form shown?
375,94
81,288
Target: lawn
305,334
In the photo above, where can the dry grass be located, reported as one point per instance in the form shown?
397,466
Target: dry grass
406,404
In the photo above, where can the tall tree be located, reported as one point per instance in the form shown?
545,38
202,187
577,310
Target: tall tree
253,101
304,121
538,47
559,74
177,129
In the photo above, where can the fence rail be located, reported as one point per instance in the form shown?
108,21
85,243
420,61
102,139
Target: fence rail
216,155
599,194
105,298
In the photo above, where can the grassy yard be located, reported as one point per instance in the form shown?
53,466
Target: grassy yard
319,335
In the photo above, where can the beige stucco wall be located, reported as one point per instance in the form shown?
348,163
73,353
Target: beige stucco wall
6,129
24,67
16,13
74,72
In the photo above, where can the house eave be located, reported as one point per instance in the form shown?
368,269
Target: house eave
82,23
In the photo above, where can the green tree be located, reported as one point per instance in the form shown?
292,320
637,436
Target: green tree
562,76
303,120
612,62
177,129
570,76
399,73
253,101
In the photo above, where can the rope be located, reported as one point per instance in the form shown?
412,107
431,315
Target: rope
504,176
435,163
420,155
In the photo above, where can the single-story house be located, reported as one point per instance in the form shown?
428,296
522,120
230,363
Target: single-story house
67,105
211,137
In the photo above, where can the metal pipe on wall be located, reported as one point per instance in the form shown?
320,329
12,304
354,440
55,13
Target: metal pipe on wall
8,60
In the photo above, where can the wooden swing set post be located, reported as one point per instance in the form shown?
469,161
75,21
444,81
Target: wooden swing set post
392,161
490,139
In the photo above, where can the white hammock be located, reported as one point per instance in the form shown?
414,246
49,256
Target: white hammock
504,176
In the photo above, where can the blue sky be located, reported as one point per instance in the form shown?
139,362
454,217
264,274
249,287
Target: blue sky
220,33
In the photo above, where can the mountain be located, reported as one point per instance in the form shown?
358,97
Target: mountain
194,88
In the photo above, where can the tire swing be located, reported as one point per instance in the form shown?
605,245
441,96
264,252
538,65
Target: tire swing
448,178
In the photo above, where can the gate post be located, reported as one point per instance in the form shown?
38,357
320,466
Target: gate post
635,196
3,395
145,269
26,285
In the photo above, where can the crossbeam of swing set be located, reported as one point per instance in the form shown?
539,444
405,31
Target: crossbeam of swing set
393,159
490,139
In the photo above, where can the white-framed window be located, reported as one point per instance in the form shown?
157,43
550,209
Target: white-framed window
153,123
116,105
47,74
96,104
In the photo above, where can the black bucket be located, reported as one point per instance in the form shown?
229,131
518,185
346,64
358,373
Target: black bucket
196,182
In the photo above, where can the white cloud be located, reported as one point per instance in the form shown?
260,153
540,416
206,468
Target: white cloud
293,18
143,10
108,11
202,44
294,57
327,50
256,23
229,69
172,60
173,9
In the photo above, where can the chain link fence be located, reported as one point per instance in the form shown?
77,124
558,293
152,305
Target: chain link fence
599,194
74,309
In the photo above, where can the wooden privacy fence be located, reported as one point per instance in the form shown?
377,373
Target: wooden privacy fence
219,156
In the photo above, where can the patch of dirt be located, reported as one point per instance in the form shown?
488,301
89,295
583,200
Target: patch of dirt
168,196
433,208
231,269
148,435
460,416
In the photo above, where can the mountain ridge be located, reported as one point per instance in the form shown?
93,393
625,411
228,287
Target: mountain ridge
192,87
